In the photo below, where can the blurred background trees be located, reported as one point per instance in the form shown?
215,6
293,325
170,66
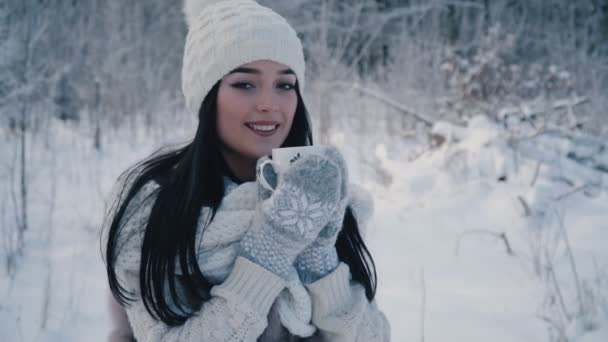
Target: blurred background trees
111,60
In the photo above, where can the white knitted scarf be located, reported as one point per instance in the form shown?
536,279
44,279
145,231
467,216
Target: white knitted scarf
218,245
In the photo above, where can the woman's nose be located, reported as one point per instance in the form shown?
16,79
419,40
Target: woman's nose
267,102
264,107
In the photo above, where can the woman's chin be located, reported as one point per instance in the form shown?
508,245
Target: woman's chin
262,153
265,150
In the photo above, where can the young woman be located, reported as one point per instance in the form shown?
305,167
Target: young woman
197,250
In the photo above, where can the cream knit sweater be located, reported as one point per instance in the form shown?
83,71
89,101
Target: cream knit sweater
241,307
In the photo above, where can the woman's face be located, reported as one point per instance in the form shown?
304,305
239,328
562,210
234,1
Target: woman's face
256,104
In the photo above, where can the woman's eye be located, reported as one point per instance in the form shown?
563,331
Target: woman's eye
242,85
286,86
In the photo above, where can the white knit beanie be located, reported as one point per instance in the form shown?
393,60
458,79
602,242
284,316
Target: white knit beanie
225,34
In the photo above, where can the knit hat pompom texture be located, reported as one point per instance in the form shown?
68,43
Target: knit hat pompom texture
225,34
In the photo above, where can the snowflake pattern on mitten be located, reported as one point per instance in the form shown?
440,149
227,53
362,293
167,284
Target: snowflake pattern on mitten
300,213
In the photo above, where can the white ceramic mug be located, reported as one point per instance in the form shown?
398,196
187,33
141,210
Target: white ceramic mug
282,158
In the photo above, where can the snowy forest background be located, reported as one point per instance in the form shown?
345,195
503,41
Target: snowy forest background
479,126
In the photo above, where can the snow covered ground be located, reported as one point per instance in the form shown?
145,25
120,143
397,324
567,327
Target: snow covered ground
461,255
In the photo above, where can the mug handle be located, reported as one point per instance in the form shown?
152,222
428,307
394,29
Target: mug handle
261,178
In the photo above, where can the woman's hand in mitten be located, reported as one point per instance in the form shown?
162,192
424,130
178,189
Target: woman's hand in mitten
291,218
321,257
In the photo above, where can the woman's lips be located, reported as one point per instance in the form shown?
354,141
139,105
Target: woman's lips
263,128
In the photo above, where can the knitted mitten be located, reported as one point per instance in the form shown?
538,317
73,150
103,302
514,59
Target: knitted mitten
320,258
293,215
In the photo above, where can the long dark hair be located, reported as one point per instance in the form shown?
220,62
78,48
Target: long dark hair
189,178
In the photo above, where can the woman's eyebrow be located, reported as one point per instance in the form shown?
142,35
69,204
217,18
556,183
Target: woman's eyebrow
257,72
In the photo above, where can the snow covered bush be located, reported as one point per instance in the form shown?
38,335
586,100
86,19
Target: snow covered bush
489,77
